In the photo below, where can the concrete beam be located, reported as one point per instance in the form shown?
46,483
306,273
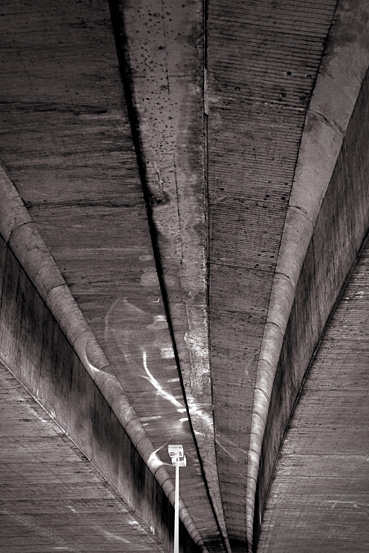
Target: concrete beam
42,326
326,130
165,84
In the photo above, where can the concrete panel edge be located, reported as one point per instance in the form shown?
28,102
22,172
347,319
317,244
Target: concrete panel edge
175,188
344,65
21,235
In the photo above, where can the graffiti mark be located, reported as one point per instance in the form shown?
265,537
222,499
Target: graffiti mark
112,536
122,323
353,503
156,384
154,459
167,353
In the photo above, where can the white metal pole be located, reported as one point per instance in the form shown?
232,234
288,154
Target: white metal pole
176,511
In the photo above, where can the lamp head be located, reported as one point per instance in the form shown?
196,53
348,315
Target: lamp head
175,451
177,455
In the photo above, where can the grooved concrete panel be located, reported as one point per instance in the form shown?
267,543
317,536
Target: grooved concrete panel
164,209
262,61
341,226
52,497
67,145
163,44
320,495
35,349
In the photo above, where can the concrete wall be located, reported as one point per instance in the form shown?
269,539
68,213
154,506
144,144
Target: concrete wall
35,349
340,229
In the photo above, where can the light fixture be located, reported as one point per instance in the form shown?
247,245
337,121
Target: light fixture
178,460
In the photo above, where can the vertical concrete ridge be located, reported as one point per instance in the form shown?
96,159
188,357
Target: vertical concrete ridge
343,67
210,456
21,235
167,122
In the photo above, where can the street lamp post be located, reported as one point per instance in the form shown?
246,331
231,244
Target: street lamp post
178,460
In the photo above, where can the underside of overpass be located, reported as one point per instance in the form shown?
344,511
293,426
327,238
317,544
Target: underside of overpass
184,211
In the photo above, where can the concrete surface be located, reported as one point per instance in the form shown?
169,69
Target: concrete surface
69,151
34,348
166,175
262,62
340,228
52,497
325,127
320,494
164,49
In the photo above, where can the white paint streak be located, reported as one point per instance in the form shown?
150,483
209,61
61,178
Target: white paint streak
94,370
156,384
152,418
154,460
115,537
167,353
233,457
353,503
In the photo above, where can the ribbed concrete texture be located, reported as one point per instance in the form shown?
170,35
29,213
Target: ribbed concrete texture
183,194
307,278
33,346
319,499
340,229
70,153
52,497
262,62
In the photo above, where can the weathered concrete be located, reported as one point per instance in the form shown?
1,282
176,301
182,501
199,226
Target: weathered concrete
69,150
342,224
262,61
35,349
345,63
320,493
162,45
31,251
52,497
163,210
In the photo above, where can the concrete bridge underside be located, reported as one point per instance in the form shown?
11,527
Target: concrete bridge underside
184,211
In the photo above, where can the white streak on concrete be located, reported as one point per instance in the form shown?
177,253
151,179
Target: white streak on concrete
154,459
167,353
156,384
115,537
